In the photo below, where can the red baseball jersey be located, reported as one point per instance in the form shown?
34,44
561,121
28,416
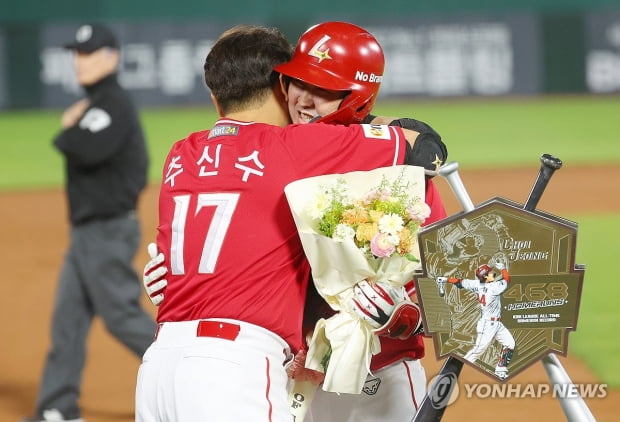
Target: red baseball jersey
225,227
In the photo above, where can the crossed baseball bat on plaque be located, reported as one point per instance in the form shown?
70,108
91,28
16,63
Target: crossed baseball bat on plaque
499,290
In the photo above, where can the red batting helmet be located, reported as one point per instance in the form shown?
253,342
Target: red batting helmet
482,271
339,56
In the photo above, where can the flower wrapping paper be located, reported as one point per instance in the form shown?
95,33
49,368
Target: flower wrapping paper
337,266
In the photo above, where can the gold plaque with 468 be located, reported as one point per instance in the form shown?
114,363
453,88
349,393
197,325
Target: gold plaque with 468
499,288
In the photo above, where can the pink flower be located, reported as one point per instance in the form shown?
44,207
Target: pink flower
380,246
419,211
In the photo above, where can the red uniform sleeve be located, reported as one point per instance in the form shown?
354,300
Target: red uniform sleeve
320,148
433,200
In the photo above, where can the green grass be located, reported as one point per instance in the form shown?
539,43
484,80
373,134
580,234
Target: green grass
165,126
30,161
594,340
28,158
491,133
499,133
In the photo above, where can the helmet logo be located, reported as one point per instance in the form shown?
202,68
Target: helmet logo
321,55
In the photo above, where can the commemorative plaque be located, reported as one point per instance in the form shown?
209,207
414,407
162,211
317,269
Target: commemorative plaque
499,288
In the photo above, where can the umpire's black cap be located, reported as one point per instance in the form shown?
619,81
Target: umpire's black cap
89,38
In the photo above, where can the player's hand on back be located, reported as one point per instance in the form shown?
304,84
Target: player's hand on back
153,275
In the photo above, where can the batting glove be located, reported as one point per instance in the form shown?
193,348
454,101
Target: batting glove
500,266
375,302
152,277
404,322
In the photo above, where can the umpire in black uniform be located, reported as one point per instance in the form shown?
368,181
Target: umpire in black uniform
106,167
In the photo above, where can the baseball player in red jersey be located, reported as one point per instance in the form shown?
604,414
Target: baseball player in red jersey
488,288
238,277
335,89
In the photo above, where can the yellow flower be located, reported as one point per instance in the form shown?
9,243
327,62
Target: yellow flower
354,216
375,215
406,240
365,232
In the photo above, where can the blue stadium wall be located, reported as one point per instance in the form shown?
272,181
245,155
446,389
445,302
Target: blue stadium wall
433,48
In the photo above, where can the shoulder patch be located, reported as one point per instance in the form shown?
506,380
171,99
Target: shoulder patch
377,131
95,120
223,130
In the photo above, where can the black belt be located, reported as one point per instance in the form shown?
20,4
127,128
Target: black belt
99,218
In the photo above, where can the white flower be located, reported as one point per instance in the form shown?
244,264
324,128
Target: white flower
321,202
391,224
394,239
343,232
341,192
346,201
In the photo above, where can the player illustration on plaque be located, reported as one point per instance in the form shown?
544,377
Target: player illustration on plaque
499,288
487,289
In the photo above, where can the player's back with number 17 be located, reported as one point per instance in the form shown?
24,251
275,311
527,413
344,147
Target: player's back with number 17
234,248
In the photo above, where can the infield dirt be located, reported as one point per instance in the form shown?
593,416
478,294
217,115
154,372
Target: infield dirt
34,238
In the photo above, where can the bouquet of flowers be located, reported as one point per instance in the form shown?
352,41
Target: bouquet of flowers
355,226
382,223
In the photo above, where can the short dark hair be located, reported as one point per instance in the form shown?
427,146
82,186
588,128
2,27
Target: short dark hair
239,67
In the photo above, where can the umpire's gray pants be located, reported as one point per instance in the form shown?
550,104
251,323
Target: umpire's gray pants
97,278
